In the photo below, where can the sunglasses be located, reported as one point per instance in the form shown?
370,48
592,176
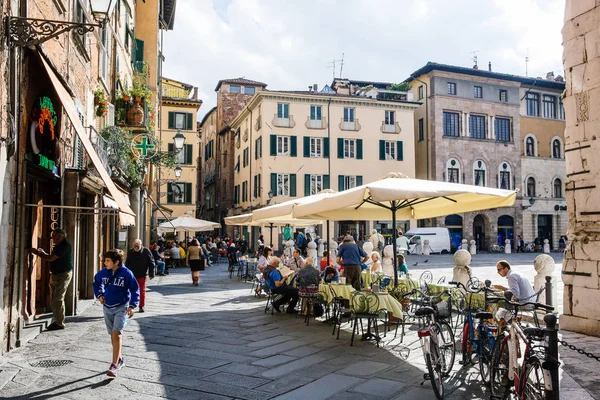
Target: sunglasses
500,269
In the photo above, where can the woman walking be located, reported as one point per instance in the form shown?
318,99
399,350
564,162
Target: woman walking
195,260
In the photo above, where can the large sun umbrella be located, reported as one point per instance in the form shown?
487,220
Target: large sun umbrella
397,196
187,224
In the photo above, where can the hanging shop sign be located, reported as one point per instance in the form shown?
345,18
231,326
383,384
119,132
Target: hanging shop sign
43,135
142,146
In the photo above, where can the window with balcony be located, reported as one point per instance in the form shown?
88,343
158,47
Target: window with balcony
477,126
452,88
283,110
315,119
478,92
283,145
533,104
502,127
503,96
348,114
451,124
549,104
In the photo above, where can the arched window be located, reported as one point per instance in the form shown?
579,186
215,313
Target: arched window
530,187
558,190
479,173
504,176
453,171
529,147
556,149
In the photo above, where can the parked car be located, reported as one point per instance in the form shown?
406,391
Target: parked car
439,239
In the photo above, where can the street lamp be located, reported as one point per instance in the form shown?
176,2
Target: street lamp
177,171
178,141
101,9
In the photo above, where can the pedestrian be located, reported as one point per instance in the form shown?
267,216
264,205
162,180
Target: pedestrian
61,272
141,262
195,260
351,256
118,291
158,259
402,243
175,255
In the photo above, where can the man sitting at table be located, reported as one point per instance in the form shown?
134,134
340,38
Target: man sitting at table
351,256
307,276
296,262
277,285
520,287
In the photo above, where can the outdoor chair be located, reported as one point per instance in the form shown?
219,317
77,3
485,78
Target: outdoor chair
340,308
365,306
309,297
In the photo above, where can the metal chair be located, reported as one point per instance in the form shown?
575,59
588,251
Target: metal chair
442,280
340,309
365,306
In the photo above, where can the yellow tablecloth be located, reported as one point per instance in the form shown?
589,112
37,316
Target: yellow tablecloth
344,291
366,278
386,301
476,300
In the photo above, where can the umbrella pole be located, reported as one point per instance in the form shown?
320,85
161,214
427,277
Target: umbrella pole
394,236
327,239
271,227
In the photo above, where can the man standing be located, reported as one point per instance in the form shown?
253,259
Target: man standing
300,241
61,269
377,241
141,262
351,256
520,287
175,255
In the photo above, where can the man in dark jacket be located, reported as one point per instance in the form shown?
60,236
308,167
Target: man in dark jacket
141,262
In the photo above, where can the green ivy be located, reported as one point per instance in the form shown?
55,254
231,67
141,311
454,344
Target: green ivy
400,87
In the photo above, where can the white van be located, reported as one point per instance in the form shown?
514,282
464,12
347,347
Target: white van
439,239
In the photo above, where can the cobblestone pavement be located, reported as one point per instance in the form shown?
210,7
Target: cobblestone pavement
215,342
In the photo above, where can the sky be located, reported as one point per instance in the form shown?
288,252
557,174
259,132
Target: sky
291,44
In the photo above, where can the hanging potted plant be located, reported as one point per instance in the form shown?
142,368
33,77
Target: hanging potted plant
125,94
101,102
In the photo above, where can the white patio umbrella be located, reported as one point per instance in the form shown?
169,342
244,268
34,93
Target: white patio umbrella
398,196
187,224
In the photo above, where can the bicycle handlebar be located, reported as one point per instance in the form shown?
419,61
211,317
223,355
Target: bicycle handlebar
471,290
533,304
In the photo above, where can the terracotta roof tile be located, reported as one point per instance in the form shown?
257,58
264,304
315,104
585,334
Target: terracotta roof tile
241,81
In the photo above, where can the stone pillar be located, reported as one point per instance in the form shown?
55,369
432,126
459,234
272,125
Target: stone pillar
582,257
473,248
490,131
133,232
466,124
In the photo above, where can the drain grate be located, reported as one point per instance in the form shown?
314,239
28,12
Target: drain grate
50,363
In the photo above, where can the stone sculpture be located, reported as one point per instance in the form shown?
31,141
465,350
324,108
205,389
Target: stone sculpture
462,271
426,248
544,266
473,248
507,249
388,261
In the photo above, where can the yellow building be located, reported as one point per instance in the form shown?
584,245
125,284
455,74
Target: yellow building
179,107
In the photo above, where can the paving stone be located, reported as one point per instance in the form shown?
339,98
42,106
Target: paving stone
322,388
301,363
319,370
232,391
274,360
365,368
237,380
277,349
185,394
270,341
285,384
379,387
303,351
242,369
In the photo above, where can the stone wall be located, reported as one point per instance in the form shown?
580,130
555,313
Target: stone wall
581,60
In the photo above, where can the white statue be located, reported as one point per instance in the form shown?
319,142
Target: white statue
321,247
311,252
368,248
388,261
418,248
544,266
464,245
289,248
546,246
426,248
462,271
473,248
507,248
333,246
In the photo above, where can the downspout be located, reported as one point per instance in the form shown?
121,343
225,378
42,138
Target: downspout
250,175
328,238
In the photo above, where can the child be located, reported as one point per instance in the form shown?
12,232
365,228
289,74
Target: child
117,289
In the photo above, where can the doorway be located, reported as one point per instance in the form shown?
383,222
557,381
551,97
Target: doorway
545,228
479,229
505,230
454,223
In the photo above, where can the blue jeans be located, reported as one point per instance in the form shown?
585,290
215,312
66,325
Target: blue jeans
161,267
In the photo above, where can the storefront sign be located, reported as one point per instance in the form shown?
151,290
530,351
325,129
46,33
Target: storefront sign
142,146
54,222
46,163
47,115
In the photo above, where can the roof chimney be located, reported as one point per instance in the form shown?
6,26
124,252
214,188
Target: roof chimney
475,66
550,76
490,66
310,88
195,97
315,87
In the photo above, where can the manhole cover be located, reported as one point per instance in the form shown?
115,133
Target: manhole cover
50,363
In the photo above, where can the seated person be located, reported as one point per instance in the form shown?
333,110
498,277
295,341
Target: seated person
520,287
330,275
264,259
309,262
277,285
376,267
326,261
307,276
296,262
402,267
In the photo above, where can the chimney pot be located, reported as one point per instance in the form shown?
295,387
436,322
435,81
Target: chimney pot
310,88
475,66
315,87
490,66
195,97
550,76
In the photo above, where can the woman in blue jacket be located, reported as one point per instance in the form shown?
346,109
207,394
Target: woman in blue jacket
117,289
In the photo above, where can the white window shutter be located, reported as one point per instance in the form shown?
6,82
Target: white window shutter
110,115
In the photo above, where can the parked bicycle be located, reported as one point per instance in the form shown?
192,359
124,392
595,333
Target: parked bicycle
496,248
437,337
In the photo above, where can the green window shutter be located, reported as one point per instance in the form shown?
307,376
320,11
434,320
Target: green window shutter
258,183
190,120
307,184
171,120
306,146
293,146
382,149
358,180
188,154
326,147
340,183
170,147
169,193
188,193
340,148
326,184
139,50
256,150
244,184
359,149
274,184
273,146
255,186
292,185
399,150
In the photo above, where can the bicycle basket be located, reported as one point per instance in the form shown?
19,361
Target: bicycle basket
444,308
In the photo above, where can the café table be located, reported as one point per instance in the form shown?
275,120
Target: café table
385,302
340,290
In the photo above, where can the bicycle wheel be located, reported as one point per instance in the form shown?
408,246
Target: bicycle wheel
499,382
534,385
435,370
485,356
466,344
447,347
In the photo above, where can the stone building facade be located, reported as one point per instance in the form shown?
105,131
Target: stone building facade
580,274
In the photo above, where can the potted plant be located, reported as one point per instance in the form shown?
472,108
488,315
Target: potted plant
101,102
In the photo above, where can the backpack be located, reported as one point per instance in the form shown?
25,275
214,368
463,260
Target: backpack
380,245
318,310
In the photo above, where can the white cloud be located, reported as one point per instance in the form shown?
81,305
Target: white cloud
288,44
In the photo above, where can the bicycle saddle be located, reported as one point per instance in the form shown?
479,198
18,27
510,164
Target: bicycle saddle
423,311
532,331
484,315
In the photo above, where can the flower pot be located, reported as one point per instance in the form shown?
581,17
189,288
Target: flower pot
135,115
126,98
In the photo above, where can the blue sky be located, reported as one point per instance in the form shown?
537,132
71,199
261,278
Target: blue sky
290,44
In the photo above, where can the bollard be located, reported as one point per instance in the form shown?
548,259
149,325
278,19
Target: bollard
549,299
550,365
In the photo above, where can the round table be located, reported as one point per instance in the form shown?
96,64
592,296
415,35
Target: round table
344,291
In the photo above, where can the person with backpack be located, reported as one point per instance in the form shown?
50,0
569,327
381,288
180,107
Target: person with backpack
277,284
377,241
117,289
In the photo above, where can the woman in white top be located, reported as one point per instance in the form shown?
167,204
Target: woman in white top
376,267
264,259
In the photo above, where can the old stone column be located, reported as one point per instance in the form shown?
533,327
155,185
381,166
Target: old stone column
581,59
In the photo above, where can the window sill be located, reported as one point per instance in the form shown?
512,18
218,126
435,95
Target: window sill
544,118
477,140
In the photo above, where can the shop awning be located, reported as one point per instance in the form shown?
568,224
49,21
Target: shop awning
125,211
124,219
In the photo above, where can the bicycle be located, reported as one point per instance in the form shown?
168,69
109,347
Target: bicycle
437,339
507,377
496,248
